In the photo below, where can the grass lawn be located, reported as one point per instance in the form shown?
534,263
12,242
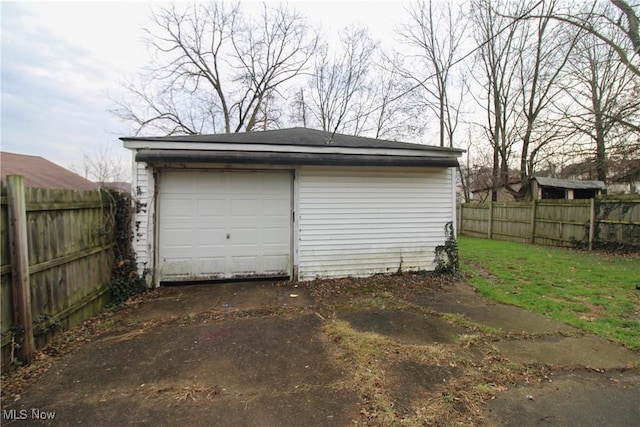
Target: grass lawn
592,291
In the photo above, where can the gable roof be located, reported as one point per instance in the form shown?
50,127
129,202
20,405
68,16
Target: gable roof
41,173
567,183
294,136
289,146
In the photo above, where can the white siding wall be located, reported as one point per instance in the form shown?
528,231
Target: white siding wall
362,221
143,188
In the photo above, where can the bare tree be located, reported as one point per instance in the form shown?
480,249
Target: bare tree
603,105
435,34
598,43
546,48
608,29
215,67
397,108
104,165
633,23
340,82
499,40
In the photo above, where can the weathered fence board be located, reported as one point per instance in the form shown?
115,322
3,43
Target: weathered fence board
21,313
70,237
474,219
571,223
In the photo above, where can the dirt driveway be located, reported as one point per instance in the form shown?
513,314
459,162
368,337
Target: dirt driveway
388,350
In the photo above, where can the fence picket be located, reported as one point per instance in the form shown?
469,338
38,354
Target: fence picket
70,243
20,286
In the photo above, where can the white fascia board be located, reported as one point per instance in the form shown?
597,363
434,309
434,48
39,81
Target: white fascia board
220,146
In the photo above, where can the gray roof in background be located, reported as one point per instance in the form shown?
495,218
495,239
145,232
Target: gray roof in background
567,183
297,137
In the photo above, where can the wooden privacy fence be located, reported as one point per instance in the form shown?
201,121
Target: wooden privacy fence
56,257
593,223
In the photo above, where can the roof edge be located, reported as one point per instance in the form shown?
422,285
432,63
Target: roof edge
296,137
290,159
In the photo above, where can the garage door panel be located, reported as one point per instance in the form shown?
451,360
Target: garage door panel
244,236
210,238
244,208
274,183
204,181
247,181
245,265
178,183
179,238
271,264
275,236
210,266
177,267
212,208
178,207
274,207
224,224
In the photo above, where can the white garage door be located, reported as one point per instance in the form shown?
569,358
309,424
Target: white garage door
224,224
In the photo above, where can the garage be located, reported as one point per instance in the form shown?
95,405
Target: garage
298,203
224,224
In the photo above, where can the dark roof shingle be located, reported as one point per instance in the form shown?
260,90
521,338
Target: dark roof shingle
297,136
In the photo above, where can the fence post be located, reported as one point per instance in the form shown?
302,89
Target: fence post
490,228
592,223
532,238
21,290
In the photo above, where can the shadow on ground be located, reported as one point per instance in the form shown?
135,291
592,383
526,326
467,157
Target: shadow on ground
405,349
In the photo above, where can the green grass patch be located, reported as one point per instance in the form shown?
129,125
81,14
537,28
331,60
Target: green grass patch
592,291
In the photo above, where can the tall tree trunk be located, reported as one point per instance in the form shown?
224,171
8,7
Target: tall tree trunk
601,151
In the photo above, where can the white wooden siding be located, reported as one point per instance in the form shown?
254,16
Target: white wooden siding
362,221
143,188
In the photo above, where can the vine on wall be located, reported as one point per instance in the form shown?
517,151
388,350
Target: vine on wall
447,259
126,281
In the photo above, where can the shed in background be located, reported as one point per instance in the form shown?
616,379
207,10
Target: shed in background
553,188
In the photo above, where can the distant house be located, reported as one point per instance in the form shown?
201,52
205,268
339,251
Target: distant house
623,174
623,187
482,187
502,193
625,178
552,188
41,173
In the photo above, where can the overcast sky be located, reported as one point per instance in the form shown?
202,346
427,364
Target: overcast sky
62,60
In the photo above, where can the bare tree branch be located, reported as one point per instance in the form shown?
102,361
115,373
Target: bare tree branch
216,67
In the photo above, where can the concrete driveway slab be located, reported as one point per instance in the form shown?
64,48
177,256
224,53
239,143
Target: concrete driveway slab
571,399
265,354
177,301
463,300
587,351
254,372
